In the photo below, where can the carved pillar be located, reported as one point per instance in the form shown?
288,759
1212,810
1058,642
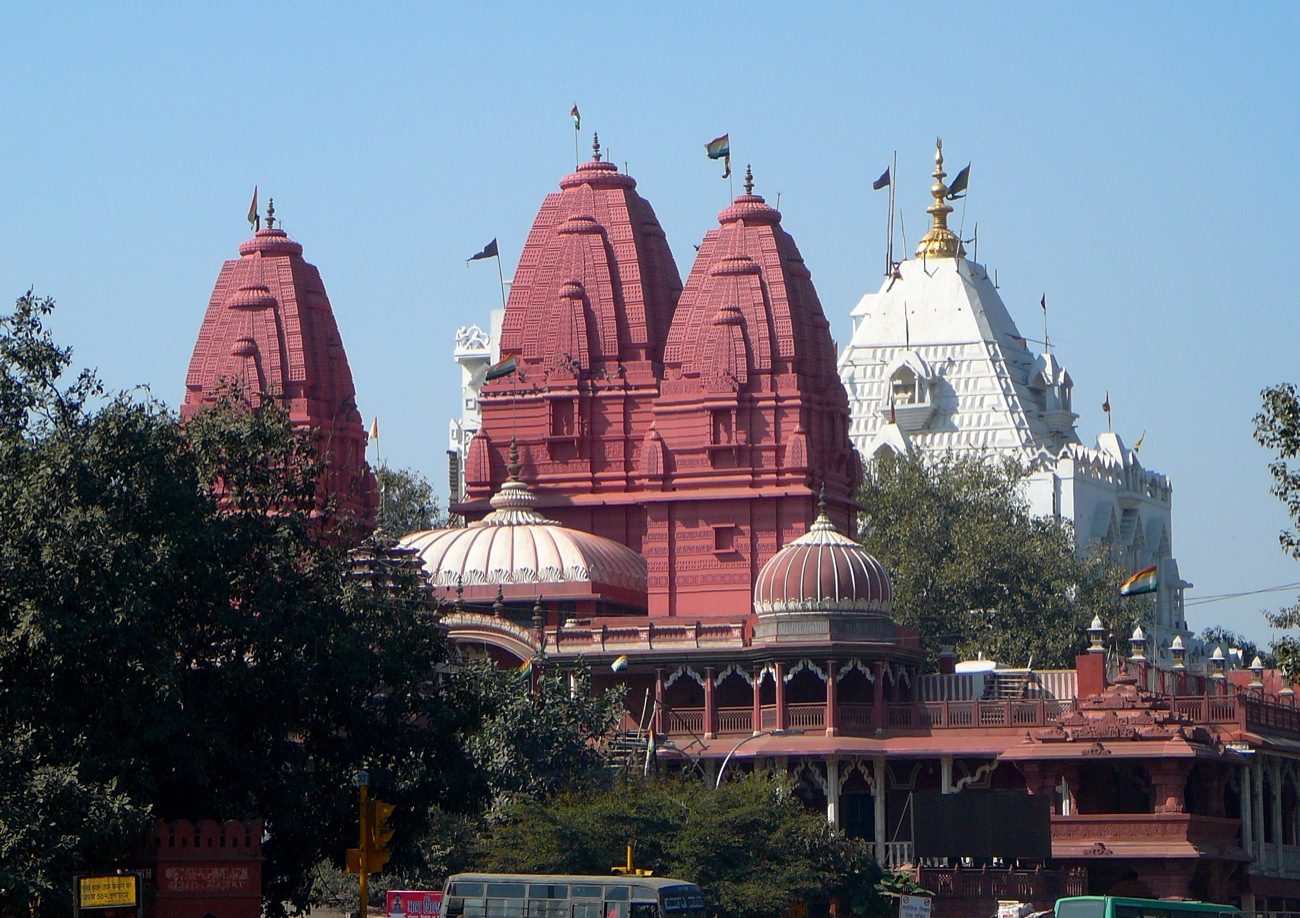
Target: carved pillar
758,699
1172,881
781,721
1275,779
1169,779
657,721
833,791
878,805
710,709
1247,812
878,696
832,701
1070,774
945,774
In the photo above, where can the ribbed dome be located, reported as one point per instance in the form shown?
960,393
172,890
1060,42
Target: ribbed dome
514,544
823,571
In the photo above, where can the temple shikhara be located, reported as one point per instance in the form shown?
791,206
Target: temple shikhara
658,479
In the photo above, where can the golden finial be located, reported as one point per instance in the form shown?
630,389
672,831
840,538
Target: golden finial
514,466
749,180
940,242
595,147
270,213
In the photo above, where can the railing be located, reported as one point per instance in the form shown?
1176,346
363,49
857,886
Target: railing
991,883
806,716
1277,861
894,854
855,718
734,720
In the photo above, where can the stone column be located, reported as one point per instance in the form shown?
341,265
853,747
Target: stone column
833,791
710,710
758,699
878,720
832,701
1275,773
1247,812
781,719
945,774
878,806
1169,778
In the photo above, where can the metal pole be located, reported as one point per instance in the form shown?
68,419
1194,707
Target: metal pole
363,781
723,769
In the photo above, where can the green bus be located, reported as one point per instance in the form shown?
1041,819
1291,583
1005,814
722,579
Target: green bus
520,895
1121,907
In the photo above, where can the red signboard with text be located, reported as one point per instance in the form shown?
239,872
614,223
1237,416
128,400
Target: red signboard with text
416,903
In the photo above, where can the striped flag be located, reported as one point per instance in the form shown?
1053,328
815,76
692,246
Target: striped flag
620,664
1144,581
254,220
576,116
526,667
719,147
505,367
374,428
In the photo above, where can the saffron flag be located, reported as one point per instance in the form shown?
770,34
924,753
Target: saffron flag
1144,581
253,219
489,251
374,428
719,147
576,116
620,664
957,189
882,182
505,367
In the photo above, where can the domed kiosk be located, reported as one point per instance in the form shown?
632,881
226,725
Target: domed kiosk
825,586
515,555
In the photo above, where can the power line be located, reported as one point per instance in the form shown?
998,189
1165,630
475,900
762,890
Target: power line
1202,600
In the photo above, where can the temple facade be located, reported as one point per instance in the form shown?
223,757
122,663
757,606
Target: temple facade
937,366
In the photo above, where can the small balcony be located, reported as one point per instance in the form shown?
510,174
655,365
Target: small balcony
1277,861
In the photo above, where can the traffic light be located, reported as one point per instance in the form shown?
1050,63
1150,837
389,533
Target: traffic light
376,846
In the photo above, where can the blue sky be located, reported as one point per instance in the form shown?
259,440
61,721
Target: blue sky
1133,161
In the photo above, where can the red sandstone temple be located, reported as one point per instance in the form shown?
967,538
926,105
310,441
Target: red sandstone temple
668,477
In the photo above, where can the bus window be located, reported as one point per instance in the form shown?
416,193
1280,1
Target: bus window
506,890
1081,908
548,891
618,893
547,908
615,910
587,910
503,907
465,889
579,891
645,910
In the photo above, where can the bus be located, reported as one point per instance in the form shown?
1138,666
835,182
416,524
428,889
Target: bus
519,895
1121,907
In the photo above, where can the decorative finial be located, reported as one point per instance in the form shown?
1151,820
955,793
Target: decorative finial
939,242
499,606
460,594
270,213
821,500
514,466
749,180
539,616
595,147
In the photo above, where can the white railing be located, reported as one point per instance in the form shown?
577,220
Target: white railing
1278,861
896,854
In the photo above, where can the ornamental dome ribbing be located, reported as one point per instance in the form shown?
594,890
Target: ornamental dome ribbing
823,571
515,546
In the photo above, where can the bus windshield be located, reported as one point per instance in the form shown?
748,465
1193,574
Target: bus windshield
482,895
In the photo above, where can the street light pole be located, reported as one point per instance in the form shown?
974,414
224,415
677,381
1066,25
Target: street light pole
722,770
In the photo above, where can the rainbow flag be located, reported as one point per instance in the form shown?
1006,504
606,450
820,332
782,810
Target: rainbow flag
719,147
1143,581
620,664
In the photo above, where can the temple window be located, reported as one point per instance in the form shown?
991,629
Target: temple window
562,418
722,426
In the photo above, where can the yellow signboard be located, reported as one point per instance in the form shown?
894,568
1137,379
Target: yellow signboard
106,892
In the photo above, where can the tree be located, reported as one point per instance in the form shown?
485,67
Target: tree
751,845
972,568
407,503
166,654
1277,427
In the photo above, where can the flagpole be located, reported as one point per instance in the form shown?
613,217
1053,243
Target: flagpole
889,228
502,279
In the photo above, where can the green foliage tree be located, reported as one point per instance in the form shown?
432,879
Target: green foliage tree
407,503
751,845
1277,427
972,568
168,654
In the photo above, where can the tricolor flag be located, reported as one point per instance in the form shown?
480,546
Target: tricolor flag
254,221
576,116
374,428
489,251
719,147
1143,581
620,664
882,182
508,365
526,667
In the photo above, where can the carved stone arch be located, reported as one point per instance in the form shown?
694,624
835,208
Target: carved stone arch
683,671
803,664
979,778
815,768
857,664
474,627
738,670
